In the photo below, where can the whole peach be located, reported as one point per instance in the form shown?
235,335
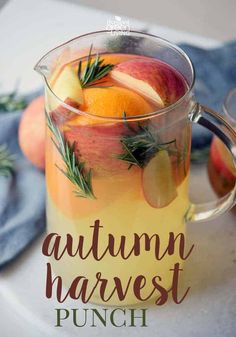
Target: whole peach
32,132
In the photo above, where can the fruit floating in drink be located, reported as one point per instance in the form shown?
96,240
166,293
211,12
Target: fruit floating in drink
221,170
112,155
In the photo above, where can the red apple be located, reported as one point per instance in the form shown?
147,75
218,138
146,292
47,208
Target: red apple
62,114
157,181
152,78
65,84
32,132
222,160
98,144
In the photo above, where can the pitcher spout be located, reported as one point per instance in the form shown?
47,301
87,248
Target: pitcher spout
42,67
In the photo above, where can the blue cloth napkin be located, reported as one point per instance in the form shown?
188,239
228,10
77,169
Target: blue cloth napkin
215,76
22,197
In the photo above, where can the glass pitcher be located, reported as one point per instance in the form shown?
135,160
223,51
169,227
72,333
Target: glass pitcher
96,177
221,170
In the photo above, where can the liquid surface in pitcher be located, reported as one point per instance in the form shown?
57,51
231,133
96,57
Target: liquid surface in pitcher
131,175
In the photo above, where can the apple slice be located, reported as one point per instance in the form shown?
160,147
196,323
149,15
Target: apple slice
68,85
152,78
222,160
97,144
157,181
61,114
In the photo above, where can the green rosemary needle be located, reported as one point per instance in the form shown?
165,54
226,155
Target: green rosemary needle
141,145
11,102
93,71
74,169
6,161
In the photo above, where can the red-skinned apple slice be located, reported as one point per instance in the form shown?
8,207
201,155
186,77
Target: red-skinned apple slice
152,78
97,145
62,114
66,86
157,181
222,160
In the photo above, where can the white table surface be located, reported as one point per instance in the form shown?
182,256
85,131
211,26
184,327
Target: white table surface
27,30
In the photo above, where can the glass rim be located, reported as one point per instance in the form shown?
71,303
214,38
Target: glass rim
226,109
128,118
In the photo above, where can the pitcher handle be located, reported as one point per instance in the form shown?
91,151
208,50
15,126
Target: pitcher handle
220,127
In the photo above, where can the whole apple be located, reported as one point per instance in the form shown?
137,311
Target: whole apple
32,132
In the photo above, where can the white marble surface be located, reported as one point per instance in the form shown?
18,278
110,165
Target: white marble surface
210,307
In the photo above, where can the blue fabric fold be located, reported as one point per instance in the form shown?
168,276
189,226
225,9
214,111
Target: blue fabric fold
215,76
22,196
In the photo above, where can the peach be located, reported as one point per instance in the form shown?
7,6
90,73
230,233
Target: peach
32,132
152,78
157,181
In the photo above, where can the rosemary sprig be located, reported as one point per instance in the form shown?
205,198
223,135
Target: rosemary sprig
6,161
11,102
100,86
74,169
141,145
93,71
